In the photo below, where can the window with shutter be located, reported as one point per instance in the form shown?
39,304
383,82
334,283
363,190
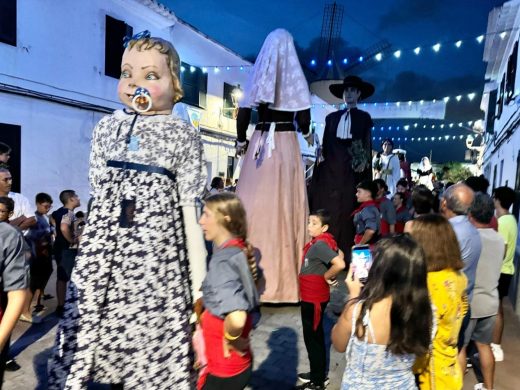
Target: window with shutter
115,31
8,22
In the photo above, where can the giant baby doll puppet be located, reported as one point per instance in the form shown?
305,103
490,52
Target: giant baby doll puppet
345,160
271,184
126,319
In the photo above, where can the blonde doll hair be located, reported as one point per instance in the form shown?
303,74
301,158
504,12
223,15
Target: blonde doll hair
172,59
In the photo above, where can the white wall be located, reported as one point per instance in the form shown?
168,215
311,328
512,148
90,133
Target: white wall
61,51
55,142
504,158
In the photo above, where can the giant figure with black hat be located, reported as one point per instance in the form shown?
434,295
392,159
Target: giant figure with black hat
346,158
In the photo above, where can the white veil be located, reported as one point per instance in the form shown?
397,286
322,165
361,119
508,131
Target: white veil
425,165
277,77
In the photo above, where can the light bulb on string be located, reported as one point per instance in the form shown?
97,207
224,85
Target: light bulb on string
458,44
436,47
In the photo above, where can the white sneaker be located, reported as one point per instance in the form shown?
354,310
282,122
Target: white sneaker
479,386
498,353
306,378
34,319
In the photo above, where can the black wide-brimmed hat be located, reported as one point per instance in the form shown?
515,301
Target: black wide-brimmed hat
366,89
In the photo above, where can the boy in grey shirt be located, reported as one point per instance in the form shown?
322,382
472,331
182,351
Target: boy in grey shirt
14,281
484,304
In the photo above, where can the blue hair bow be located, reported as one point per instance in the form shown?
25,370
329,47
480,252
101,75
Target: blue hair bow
142,34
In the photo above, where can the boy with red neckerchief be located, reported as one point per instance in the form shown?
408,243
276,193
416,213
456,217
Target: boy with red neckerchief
367,219
321,262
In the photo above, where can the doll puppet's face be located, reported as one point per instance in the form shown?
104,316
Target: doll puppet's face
147,69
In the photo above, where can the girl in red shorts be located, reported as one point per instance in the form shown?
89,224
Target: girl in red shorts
229,294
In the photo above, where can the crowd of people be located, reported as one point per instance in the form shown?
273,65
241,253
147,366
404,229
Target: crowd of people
133,274
36,237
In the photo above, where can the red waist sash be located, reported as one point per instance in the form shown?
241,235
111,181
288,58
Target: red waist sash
314,289
218,365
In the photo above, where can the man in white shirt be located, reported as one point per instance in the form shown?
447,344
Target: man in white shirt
387,167
23,216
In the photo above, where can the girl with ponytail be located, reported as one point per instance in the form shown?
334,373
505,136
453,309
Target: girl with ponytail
229,294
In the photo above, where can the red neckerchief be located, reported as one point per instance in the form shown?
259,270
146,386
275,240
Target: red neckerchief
238,242
400,209
363,205
326,237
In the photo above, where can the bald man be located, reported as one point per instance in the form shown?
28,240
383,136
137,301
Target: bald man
455,204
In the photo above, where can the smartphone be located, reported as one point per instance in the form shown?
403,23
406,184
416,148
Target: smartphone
361,262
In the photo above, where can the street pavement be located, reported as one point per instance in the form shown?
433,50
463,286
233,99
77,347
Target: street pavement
277,343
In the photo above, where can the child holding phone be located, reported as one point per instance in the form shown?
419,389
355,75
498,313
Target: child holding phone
320,264
387,323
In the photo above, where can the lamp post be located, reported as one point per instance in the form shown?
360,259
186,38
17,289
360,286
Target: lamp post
478,128
236,95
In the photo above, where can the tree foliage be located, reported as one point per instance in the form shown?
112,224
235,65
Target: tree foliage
454,172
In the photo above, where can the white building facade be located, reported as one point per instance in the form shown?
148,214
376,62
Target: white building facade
501,104
59,73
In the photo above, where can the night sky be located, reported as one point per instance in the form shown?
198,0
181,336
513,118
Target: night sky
398,24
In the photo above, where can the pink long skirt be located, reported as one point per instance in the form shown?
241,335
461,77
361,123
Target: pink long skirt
275,198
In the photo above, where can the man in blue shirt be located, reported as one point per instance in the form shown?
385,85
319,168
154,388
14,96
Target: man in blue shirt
454,206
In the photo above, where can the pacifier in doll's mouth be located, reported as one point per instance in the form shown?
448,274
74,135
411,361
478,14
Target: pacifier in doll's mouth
142,101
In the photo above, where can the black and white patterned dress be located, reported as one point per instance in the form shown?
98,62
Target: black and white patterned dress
128,303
